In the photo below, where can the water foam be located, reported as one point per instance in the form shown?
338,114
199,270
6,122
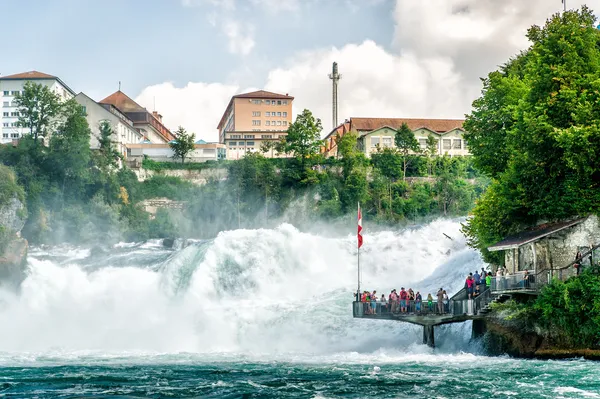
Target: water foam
252,292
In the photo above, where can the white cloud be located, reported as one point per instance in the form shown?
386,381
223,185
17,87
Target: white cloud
440,50
197,106
240,36
276,6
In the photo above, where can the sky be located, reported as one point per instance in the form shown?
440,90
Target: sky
186,58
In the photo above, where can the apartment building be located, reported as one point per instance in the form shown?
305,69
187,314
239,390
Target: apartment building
252,119
376,133
11,85
148,124
124,131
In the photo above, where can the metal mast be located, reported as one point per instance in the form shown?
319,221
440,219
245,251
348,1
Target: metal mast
335,78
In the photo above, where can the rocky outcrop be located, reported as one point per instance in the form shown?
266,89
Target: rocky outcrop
13,215
13,262
13,248
521,338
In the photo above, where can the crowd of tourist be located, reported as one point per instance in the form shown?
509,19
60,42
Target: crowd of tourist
405,301
477,282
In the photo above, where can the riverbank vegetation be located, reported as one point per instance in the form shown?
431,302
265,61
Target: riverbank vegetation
535,131
75,194
565,315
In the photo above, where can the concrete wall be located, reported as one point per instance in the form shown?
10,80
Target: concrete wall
164,153
199,177
557,250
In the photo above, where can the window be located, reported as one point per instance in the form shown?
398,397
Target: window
5,104
423,143
255,113
374,141
284,123
387,141
256,102
241,143
209,151
236,136
5,124
14,113
267,123
5,114
284,102
15,135
267,113
256,130
273,123
278,102
15,92
268,102
15,124
248,136
278,123
266,136
285,114
6,92
457,144
255,123
4,135
446,144
279,114
249,143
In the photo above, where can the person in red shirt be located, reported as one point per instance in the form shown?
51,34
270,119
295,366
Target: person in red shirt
469,283
403,298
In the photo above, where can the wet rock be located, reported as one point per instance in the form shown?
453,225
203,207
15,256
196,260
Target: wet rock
13,263
169,242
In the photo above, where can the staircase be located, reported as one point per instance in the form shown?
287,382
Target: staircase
499,299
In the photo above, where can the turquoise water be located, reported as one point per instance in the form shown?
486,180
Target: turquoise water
254,314
404,376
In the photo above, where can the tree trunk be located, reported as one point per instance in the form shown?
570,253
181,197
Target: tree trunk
404,175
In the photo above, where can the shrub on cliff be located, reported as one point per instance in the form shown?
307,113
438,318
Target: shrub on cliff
570,310
9,188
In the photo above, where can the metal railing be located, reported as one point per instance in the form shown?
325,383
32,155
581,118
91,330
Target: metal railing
412,308
515,282
472,306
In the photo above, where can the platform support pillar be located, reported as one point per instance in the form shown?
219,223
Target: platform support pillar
478,329
428,336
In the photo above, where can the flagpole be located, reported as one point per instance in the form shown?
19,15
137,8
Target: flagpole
358,252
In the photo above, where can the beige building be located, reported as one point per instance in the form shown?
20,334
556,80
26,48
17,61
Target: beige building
376,133
252,119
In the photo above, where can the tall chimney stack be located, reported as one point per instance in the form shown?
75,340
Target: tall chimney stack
335,78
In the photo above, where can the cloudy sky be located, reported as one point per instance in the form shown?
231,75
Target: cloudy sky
398,58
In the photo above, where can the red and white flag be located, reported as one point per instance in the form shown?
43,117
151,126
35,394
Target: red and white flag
360,238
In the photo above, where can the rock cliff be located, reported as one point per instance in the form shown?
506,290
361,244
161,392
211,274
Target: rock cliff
13,248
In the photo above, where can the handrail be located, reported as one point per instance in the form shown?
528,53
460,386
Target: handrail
583,255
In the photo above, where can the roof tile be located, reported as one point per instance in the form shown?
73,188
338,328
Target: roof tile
29,75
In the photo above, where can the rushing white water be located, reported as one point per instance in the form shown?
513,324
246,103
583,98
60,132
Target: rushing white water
247,292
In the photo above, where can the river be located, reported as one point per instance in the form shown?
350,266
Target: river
254,313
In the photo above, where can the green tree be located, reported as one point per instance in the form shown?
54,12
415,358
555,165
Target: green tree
70,151
39,109
183,143
303,138
431,150
536,131
406,143
108,157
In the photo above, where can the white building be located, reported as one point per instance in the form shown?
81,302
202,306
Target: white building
11,85
124,132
